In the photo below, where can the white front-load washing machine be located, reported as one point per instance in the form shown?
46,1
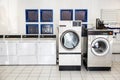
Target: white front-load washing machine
69,48
99,52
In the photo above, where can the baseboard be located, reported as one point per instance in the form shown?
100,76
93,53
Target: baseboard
69,68
99,68
115,53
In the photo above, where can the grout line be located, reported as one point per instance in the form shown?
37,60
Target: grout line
20,73
30,72
50,73
40,73
10,71
70,76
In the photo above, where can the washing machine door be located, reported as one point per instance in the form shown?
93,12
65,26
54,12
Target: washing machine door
100,46
69,39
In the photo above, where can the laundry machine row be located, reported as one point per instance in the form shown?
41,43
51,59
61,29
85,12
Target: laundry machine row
98,54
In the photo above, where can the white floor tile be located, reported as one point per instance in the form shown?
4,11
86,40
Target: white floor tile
76,74
66,78
54,67
55,72
33,78
28,69
55,75
24,75
8,71
54,78
34,75
40,67
76,78
98,78
36,71
43,78
109,79
16,72
19,67
65,74
10,78
107,76
118,78
2,77
44,75
47,67
4,74
13,75
45,72
87,76
21,78
25,72
88,79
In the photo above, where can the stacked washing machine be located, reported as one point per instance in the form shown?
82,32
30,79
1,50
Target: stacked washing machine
70,45
99,50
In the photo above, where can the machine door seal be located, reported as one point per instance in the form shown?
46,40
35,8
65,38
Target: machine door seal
69,39
100,46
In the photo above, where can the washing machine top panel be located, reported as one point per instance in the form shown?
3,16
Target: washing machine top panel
100,32
69,39
100,46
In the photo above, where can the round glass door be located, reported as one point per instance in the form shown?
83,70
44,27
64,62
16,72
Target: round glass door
100,46
69,39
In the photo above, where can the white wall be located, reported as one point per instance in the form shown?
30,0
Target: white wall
8,17
12,12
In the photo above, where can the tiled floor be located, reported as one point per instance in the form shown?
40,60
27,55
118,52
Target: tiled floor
52,73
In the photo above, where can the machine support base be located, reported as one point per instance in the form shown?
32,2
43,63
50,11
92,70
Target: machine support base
69,68
99,68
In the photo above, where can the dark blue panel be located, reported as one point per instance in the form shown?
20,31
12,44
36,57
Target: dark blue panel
66,14
46,15
31,15
46,28
32,29
81,14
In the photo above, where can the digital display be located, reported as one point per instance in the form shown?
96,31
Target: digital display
81,15
31,15
46,28
77,23
46,15
66,15
32,29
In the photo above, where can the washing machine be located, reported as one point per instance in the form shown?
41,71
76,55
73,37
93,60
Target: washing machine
70,48
99,52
